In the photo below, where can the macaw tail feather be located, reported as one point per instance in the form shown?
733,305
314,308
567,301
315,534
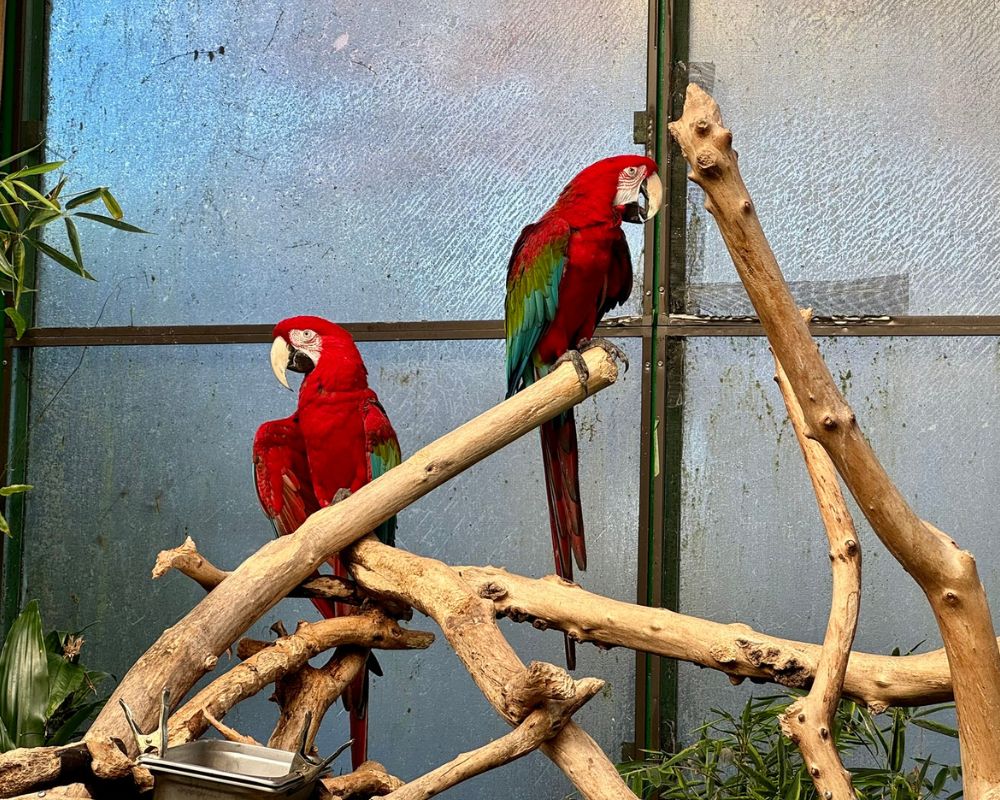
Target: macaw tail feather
562,486
356,702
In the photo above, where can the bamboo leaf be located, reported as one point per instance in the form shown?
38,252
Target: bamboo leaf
33,192
41,216
20,326
111,204
111,221
63,259
937,727
24,679
74,241
9,215
5,266
84,198
38,169
16,156
5,530
15,488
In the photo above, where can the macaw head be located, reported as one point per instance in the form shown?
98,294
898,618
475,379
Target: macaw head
304,344
626,187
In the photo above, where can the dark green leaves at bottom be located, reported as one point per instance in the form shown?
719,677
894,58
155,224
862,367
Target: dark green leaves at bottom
24,680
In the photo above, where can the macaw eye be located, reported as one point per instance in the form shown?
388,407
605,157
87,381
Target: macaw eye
631,172
307,335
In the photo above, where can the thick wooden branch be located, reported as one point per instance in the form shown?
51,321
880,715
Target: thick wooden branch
946,573
369,779
230,734
188,561
73,791
556,697
312,690
288,654
809,721
188,649
468,622
735,649
31,768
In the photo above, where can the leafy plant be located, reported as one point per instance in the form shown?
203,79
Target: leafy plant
746,757
25,212
46,695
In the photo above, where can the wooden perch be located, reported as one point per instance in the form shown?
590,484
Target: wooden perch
369,779
552,697
312,690
288,654
188,561
946,573
469,624
191,647
736,649
809,721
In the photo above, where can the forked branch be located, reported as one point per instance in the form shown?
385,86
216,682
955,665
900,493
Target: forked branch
946,573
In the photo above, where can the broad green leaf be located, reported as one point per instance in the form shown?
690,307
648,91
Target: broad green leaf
69,729
20,326
15,488
114,223
24,679
111,204
38,169
65,677
84,198
16,156
74,241
62,259
37,195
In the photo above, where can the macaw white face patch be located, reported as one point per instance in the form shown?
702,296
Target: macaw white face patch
629,181
308,342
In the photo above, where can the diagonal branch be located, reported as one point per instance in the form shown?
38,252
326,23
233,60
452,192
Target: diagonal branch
539,725
469,624
809,721
288,654
945,573
190,648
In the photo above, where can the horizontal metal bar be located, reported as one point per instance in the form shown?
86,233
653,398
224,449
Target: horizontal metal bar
679,325
675,325
257,334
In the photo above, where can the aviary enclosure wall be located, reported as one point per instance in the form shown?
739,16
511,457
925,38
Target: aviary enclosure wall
373,162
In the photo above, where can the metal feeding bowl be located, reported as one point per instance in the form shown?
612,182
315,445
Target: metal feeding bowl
217,770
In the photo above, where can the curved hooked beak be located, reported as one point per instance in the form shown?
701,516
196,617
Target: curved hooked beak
280,352
652,189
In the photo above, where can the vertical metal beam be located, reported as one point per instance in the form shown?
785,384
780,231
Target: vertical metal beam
23,90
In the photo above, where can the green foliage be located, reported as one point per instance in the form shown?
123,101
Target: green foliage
46,695
25,213
746,757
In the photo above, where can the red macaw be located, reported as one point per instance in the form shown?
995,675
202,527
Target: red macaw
566,272
338,439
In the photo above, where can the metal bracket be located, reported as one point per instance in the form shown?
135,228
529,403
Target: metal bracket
156,741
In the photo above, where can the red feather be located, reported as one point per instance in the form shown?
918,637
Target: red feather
303,461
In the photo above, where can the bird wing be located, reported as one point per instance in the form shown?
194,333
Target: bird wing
383,454
533,274
281,475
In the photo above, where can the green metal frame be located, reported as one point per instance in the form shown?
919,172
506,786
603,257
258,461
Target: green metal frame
23,82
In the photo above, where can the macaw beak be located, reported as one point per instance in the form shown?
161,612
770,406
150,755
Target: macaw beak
280,352
652,189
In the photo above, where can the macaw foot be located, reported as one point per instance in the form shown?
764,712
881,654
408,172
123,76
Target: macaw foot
340,496
613,350
576,359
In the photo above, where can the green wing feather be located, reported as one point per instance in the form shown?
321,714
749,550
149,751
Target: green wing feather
383,455
533,275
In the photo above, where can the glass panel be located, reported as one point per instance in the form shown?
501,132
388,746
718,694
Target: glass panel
134,448
752,545
360,160
860,128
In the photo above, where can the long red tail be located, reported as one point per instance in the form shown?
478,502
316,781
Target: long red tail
355,696
562,485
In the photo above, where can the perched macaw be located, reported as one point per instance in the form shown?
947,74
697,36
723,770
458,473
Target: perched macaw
338,439
566,272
